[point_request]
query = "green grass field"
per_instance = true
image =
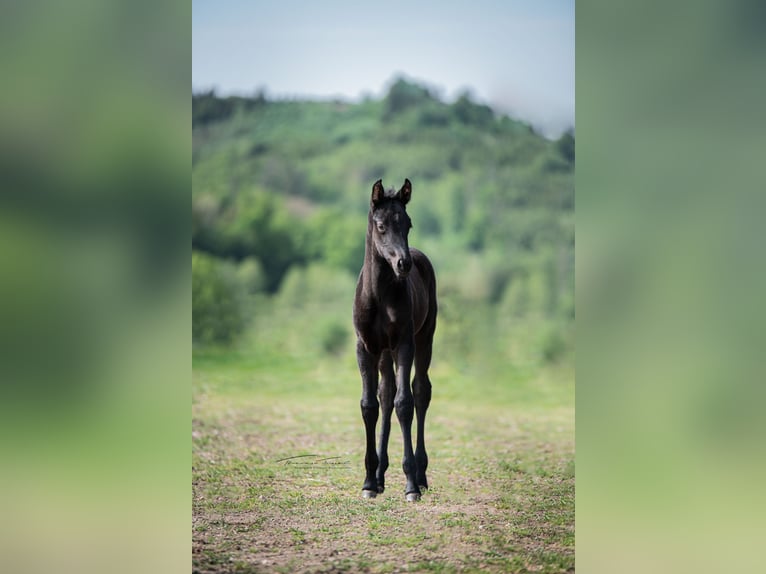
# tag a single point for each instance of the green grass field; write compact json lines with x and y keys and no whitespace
{"x":278,"y":449}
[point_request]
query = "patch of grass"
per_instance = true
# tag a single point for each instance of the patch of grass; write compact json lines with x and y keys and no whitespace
{"x":453,"y":519}
{"x":432,"y":566}
{"x":502,"y":477}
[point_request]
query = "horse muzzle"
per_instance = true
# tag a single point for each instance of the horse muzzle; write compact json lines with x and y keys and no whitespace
{"x":403,"y":266}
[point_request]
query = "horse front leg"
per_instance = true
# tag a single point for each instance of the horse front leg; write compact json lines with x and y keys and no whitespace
{"x":405,"y":406}
{"x":386,"y":391}
{"x":368,"y":368}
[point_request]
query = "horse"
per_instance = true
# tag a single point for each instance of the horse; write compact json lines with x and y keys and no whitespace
{"x":394,"y":319}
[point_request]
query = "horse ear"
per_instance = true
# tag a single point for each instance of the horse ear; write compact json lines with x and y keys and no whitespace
{"x":406,"y":192}
{"x":377,"y":192}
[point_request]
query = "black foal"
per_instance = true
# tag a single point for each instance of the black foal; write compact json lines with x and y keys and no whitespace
{"x":395,"y":319}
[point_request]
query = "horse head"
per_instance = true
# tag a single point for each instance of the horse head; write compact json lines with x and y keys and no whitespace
{"x":389,"y":226}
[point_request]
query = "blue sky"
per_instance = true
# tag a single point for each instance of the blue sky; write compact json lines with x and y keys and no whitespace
{"x":517,"y":56}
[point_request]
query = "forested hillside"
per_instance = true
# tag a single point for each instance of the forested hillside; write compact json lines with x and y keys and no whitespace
{"x":279,"y":201}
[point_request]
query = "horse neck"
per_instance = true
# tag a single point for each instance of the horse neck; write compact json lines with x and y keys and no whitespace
{"x":375,"y":271}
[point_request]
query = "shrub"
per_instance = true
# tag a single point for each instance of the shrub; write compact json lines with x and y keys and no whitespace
{"x":251,"y":276}
{"x":552,"y":345}
{"x":218,"y":314}
{"x":333,"y":336}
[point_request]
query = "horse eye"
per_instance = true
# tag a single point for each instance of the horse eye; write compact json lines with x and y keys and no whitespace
{"x":381,"y":228}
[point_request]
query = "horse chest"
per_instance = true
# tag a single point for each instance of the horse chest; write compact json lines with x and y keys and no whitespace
{"x":395,"y":322}
{"x":382,"y":326}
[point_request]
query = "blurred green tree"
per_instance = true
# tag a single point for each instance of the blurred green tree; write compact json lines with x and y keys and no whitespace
{"x":566,"y":146}
{"x":256,"y":225}
{"x":404,"y":95}
{"x":471,"y":113}
{"x":337,"y":238}
{"x":218,"y":313}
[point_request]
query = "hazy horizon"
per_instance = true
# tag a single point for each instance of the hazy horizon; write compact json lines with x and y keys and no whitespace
{"x":517,"y":57}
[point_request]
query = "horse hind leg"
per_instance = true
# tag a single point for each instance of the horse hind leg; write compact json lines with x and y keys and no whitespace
{"x":421,"y":390}
{"x":386,"y":391}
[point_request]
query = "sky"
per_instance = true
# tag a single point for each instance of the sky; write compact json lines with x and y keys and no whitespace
{"x":518,"y":56}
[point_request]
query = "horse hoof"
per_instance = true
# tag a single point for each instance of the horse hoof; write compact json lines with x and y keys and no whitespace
{"x":369,"y":494}
{"x":413,"y":496}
